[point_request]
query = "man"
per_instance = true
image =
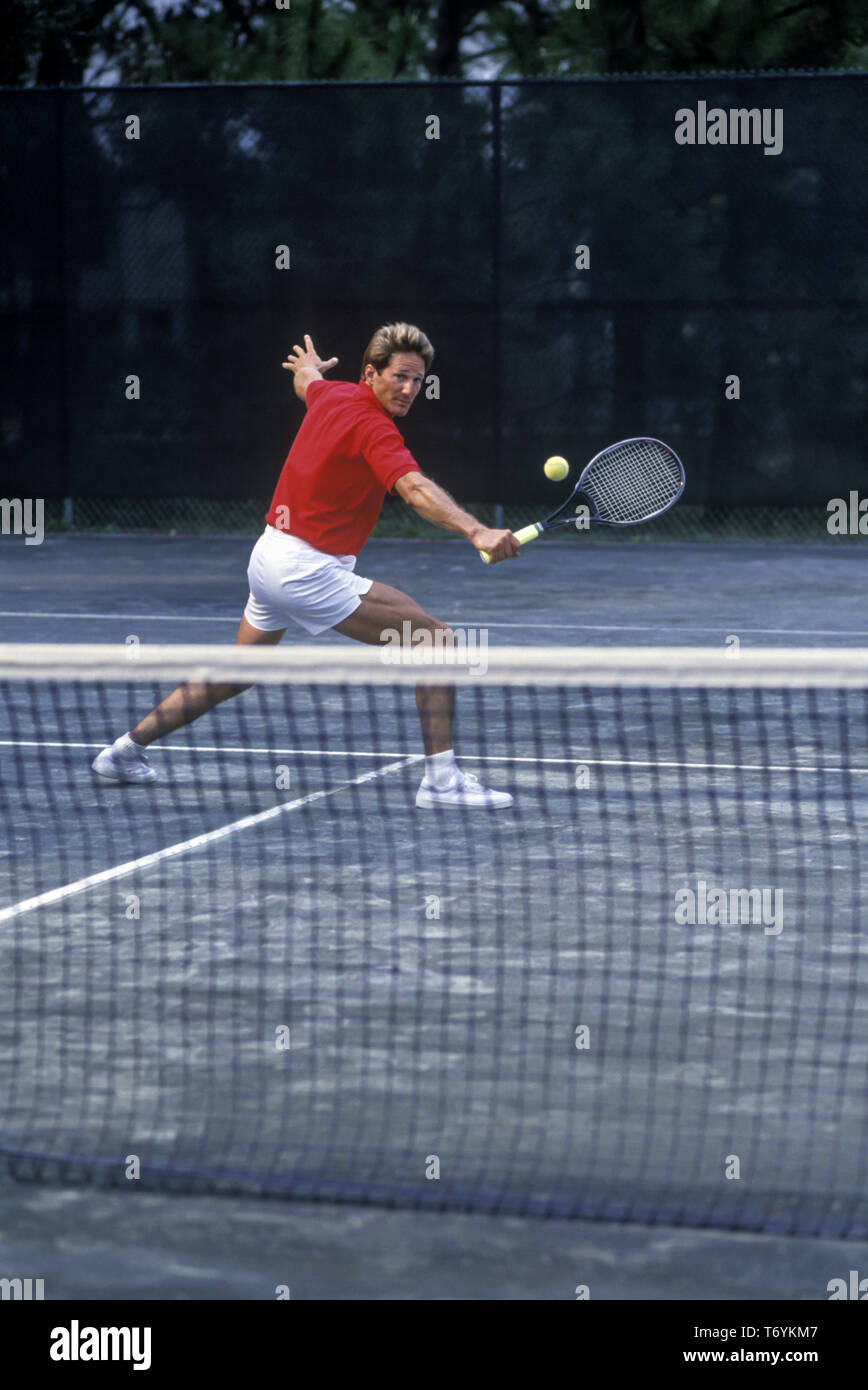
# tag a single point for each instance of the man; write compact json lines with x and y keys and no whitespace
{"x":347,"y":454}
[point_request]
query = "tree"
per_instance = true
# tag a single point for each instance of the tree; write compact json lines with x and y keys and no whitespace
{"x":51,"y":46}
{"x":147,"y":41}
{"x":543,"y":39}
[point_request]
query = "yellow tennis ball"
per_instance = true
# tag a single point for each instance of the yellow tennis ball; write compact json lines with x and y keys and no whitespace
{"x":556,"y":468}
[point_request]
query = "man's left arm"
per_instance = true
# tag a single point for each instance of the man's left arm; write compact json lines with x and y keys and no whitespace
{"x":306,"y":366}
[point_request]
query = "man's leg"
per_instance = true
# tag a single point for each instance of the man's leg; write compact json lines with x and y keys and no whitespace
{"x":195,"y":698}
{"x":383,"y":607}
{"x":125,"y":760}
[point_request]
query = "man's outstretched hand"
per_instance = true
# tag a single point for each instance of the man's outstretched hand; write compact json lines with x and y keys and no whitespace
{"x":306,"y":364}
{"x":499,"y":545}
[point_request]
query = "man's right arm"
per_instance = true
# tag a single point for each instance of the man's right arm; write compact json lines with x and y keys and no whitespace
{"x":434,"y":504}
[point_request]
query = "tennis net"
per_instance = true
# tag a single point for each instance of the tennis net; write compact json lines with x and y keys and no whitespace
{"x":636,"y":994}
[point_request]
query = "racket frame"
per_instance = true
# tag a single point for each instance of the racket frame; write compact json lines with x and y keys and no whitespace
{"x":556,"y":518}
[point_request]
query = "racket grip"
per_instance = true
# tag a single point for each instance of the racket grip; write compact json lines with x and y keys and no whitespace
{"x":527,"y":533}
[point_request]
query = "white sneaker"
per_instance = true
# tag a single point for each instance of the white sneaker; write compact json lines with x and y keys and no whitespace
{"x":128,"y":765}
{"x":463,"y":790}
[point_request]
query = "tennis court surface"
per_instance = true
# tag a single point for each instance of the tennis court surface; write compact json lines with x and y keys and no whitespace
{"x":269,"y":973}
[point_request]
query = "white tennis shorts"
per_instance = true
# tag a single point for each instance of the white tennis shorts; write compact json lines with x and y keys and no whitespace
{"x":291,"y":581}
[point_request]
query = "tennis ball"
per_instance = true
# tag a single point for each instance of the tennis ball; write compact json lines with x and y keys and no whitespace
{"x":556,"y":468}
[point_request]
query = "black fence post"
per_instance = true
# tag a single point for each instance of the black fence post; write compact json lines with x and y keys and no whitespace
{"x":60,"y":186}
{"x":497,"y":277}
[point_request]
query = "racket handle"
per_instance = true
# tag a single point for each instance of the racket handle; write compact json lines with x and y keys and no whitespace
{"x":527,"y":533}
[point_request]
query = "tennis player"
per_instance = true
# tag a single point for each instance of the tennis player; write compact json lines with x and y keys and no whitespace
{"x":346,"y":456}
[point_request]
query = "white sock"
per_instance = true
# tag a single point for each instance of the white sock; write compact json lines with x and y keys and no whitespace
{"x":126,"y":747}
{"x":440,"y":768}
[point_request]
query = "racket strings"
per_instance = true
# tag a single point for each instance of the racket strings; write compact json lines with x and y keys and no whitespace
{"x":633,"y":481}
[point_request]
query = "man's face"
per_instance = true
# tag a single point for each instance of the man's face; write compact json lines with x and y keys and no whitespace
{"x":397,"y":386}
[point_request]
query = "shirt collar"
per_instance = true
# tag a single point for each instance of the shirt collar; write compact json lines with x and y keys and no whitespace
{"x":365,"y":387}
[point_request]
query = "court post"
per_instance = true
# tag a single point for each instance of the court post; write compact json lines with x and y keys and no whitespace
{"x":497,"y":286}
{"x":63,"y":354}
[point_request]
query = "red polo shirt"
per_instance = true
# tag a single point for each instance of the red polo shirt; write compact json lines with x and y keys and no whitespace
{"x":347,"y":455}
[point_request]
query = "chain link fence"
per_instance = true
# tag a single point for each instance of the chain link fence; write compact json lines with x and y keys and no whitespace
{"x":191,"y":516}
{"x":584,"y":275}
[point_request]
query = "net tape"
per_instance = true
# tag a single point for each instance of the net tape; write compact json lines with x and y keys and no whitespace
{"x":336,"y":664}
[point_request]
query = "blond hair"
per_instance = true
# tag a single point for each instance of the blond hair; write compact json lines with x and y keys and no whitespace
{"x":396,"y":337}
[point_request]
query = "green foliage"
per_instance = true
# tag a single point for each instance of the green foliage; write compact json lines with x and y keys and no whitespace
{"x":49,"y":45}
{"x":150,"y":41}
{"x":314,"y":40}
{"x":657,"y":36}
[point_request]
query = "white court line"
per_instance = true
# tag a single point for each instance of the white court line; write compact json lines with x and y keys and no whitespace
{"x":127,"y":617}
{"x":721,"y":628}
{"x":207,"y":748}
{"x":468,"y":756}
{"x":81,"y":885}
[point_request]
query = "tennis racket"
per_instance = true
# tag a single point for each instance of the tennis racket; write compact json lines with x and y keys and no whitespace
{"x":629,"y":482}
